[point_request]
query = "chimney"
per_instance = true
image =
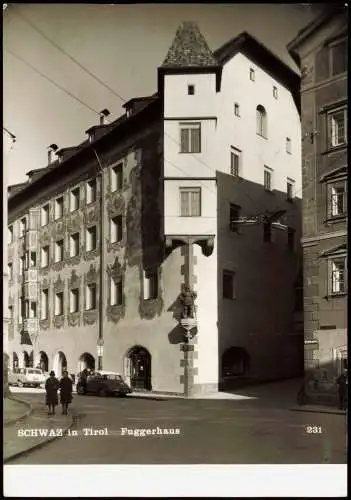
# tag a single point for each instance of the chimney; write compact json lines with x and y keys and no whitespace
{"x":103,"y":115}
{"x":51,"y":149}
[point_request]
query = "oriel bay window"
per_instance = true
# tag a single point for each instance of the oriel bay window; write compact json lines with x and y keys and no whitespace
{"x":337,"y":199}
{"x":190,"y":137}
{"x":190,"y":202}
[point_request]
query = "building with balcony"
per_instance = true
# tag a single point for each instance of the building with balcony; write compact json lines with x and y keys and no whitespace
{"x":193,"y":192}
{"x":321,"y":51}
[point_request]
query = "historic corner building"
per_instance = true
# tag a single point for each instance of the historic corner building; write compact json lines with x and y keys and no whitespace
{"x":197,"y":185}
{"x":321,"y":51}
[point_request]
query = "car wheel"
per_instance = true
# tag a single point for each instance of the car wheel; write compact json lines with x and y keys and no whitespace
{"x":102,"y":393}
{"x":80,"y":390}
{"x":20,"y":384}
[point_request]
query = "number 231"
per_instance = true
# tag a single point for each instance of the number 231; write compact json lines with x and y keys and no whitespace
{"x":313,"y":430}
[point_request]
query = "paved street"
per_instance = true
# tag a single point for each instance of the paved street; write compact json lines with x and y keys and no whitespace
{"x":212,"y":431}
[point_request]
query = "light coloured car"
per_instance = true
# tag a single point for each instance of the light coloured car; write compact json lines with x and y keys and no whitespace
{"x":26,"y":377}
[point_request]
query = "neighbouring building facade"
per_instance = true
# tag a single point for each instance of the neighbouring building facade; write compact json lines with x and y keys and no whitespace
{"x":321,"y":51}
{"x":194,"y":188}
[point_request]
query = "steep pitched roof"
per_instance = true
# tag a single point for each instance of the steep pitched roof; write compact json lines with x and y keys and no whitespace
{"x":189,"y":49}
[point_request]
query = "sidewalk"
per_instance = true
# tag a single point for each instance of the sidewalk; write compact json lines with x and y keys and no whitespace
{"x":318,"y":409}
{"x":15,"y":410}
{"x":35,"y":431}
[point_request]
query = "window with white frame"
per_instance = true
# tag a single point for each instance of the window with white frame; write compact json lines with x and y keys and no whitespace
{"x":59,"y":208}
{"x":74,"y":300}
{"x":10,"y":234}
{"x":267,"y":178}
{"x":58,"y":303}
{"x":44,"y":304}
{"x":337,"y":127}
{"x":261,"y":121}
{"x":228,"y":284}
{"x":150,"y":284}
{"x":116,"y":229}
{"x":236,"y":109}
{"x":337,"y":199}
{"x":235,"y":155}
{"x":91,"y":190}
{"x":338,"y":274}
{"x":59,"y":246}
{"x":117,"y":177}
{"x":190,"y":202}
{"x":44,"y":215}
{"x":74,"y":199}
{"x":116,"y":292}
{"x":290,"y":187}
{"x":190,"y":137}
{"x":288,"y":145}
{"x":91,"y":239}
{"x":252,"y":74}
{"x":90,"y":302}
{"x":10,"y":270}
{"x":45,"y":256}
{"x":275,"y":92}
{"x":23,"y":227}
{"x":74,"y":243}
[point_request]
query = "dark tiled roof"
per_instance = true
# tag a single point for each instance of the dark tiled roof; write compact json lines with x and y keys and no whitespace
{"x":189,"y":49}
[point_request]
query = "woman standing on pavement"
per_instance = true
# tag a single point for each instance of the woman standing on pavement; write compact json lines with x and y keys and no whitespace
{"x":66,"y":388}
{"x":51,"y":387}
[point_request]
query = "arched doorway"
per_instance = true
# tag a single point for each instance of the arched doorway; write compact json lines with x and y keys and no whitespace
{"x":139,"y":368}
{"x":235,"y":362}
{"x":59,"y":364}
{"x":43,"y":361}
{"x":26,"y":360}
{"x":14,"y":361}
{"x":86,"y":360}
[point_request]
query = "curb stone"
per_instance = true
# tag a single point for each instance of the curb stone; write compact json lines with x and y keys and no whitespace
{"x":41,"y":444}
{"x":330,"y":411}
{"x":22,"y":417}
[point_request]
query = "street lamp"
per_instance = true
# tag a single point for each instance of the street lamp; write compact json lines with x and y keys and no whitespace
{"x":100,"y":351}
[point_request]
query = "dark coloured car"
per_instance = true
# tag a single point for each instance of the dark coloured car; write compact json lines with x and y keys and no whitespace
{"x":103,"y":383}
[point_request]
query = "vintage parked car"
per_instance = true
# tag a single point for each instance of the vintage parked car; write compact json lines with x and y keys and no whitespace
{"x":30,"y":377}
{"x":103,"y":383}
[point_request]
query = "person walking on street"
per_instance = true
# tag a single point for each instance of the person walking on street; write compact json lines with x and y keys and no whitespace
{"x":51,"y":387}
{"x":342,"y":382}
{"x":84,"y":377}
{"x":66,"y":388}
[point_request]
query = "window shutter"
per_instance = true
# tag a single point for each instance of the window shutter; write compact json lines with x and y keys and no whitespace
{"x":184,"y":140}
{"x":195,"y":140}
{"x":184,"y":204}
{"x":195,"y":203}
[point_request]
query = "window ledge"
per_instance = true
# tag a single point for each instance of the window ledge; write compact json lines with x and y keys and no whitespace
{"x":334,"y":149}
{"x":262,"y":136}
{"x":189,"y":152}
{"x":59,"y":315}
{"x":336,"y":218}
{"x":335,"y":295}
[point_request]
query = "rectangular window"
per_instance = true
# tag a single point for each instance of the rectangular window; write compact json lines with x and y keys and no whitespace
{"x":288,"y":145}
{"x":90,"y":297}
{"x":23,"y":227}
{"x":44,"y":215}
{"x":337,"y":128}
{"x":338,"y":268}
{"x":33,"y":259}
{"x":339,"y":57}
{"x":74,"y":300}
{"x":116,"y":292}
{"x":191,"y":89}
{"x":289,"y":190}
{"x":91,"y":239}
{"x":236,"y":109}
{"x":10,"y":234}
{"x":150,"y":285}
{"x":190,"y":202}
{"x":117,"y":177}
{"x":267,"y":232}
{"x":275,"y":92}
{"x":116,"y":229}
{"x":190,"y":138}
{"x":59,"y":208}
{"x":45,"y":256}
{"x":74,"y":199}
{"x":74,"y":243}
{"x":91,"y":191}
{"x":45,"y":304}
{"x":234,"y":214}
{"x":267,"y":181}
{"x":58,"y":304}
{"x":252,"y":74}
{"x":337,"y":199}
{"x":228,"y":285}
{"x":10,"y":270}
{"x":235,"y":162}
{"x":291,"y":239}
{"x":59,"y":246}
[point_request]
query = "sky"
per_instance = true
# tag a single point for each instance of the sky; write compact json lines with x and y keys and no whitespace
{"x":122,"y":45}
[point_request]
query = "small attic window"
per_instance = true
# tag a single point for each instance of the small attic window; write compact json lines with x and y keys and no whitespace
{"x":191,"y":89}
{"x":252,"y":74}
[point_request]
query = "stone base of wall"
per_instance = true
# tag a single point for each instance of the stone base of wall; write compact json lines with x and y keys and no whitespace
{"x":204,"y":388}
